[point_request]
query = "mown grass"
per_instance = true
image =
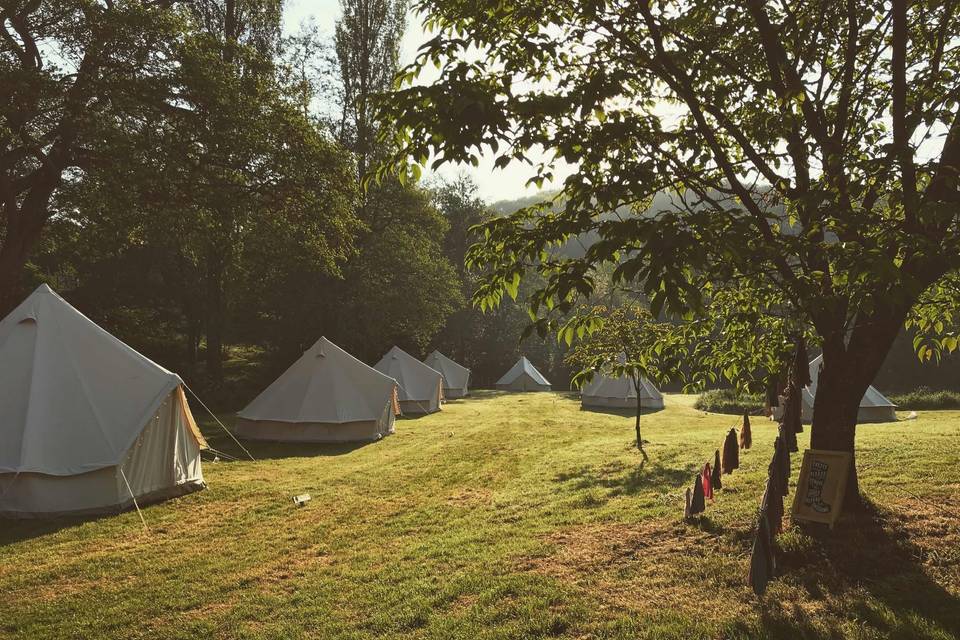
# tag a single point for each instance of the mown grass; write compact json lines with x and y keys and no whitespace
{"x":504,"y":516}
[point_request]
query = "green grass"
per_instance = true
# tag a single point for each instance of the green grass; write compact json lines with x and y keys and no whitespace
{"x":503,"y":516}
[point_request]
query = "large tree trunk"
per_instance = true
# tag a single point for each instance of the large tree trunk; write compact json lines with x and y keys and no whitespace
{"x":12,"y":260}
{"x":21,"y":235}
{"x":835,"y":417}
{"x":847,"y":371}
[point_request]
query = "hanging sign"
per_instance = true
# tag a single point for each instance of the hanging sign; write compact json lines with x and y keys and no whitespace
{"x":822,"y":483}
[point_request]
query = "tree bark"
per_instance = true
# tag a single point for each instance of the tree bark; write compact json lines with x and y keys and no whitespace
{"x":12,"y":260}
{"x":847,"y":371}
{"x":835,"y":410}
{"x":21,"y":235}
{"x":636,"y":386}
{"x":216,"y":319}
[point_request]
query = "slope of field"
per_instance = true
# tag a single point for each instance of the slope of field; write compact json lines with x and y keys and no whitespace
{"x":503,"y":516}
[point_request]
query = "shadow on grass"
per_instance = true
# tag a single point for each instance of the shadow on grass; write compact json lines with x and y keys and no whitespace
{"x":622,"y":411}
{"x":624,"y":479}
{"x":263,"y":450}
{"x":12,"y":531}
{"x":872,"y":572}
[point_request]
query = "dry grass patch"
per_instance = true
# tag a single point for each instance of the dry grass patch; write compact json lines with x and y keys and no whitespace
{"x":648,"y":566}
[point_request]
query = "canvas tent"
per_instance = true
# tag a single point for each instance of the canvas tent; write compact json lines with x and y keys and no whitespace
{"x":420,"y":386}
{"x":327,"y":395}
{"x":523,"y":376}
{"x":456,"y":377}
{"x":620,"y":393}
{"x":874,"y":406}
{"x":87,"y":424}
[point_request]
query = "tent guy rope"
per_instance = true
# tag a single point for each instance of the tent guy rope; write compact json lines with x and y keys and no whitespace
{"x":222,"y":426}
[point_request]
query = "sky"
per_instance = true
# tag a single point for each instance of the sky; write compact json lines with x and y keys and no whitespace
{"x":494,"y":184}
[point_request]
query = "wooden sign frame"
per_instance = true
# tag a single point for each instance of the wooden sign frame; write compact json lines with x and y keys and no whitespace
{"x":821,"y":486}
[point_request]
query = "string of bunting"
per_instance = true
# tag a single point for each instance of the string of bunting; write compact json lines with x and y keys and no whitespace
{"x":709,"y":479}
{"x":763,"y":560}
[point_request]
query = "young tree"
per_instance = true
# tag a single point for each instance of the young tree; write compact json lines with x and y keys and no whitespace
{"x":626,"y":341}
{"x":812,"y":146}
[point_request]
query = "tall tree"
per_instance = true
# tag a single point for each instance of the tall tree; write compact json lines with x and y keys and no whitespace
{"x":368,"y":36}
{"x":68,"y":68}
{"x":232,"y":184}
{"x":400,"y":265}
{"x":463,"y":209}
{"x":810,"y":146}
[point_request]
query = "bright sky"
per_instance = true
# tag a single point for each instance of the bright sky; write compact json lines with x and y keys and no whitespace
{"x":494,"y":184}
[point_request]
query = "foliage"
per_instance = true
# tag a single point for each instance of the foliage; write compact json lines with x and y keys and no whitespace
{"x":400,"y":289}
{"x":926,"y":398}
{"x":730,"y":401}
{"x":935,"y":320}
{"x":809,"y":148}
{"x":232,"y":186}
{"x":600,"y":111}
{"x":625,"y":341}
{"x":367,"y":39}
{"x":71,"y":70}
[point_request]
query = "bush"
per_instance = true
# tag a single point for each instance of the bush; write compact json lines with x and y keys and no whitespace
{"x":926,"y":398}
{"x":730,"y":401}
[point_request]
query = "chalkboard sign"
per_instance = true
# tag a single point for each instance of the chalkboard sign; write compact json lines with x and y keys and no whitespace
{"x":822,"y":483}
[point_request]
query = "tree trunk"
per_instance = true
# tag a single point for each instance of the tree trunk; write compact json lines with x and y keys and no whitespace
{"x":636,"y":386}
{"x":846,"y":373}
{"x":12,"y":261}
{"x":192,"y":342}
{"x":216,"y":319}
{"x":835,"y":419}
{"x":19,"y":240}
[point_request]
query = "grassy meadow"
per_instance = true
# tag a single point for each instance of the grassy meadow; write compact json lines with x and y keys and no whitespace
{"x":503,"y":516}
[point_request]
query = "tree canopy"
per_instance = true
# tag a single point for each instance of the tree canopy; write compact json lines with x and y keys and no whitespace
{"x":809,"y":148}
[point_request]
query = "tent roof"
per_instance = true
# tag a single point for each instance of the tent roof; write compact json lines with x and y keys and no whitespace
{"x":872,"y":398}
{"x":455,"y":375}
{"x":418,"y":382}
{"x":602,"y":386}
{"x":73,"y":398}
{"x":326,"y":384}
{"x":523,"y":366}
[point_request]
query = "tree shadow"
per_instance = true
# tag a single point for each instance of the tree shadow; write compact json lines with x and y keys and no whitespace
{"x":622,"y":411}
{"x":12,"y":531}
{"x":621,"y":478}
{"x":19,"y":529}
{"x":877,"y":568}
{"x":268,"y":450}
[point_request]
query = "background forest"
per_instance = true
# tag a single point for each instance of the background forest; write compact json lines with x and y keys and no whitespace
{"x":218,"y":223}
{"x":216,"y":218}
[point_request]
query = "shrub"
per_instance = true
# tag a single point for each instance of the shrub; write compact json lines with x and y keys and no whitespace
{"x":730,"y":401}
{"x":926,"y":398}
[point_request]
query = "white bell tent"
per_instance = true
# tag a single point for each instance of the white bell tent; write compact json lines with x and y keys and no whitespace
{"x":421,"y":387}
{"x":620,"y":393}
{"x":456,"y":377}
{"x":87,"y":424}
{"x":874,"y":406}
{"x":327,"y":395}
{"x":523,"y":376}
